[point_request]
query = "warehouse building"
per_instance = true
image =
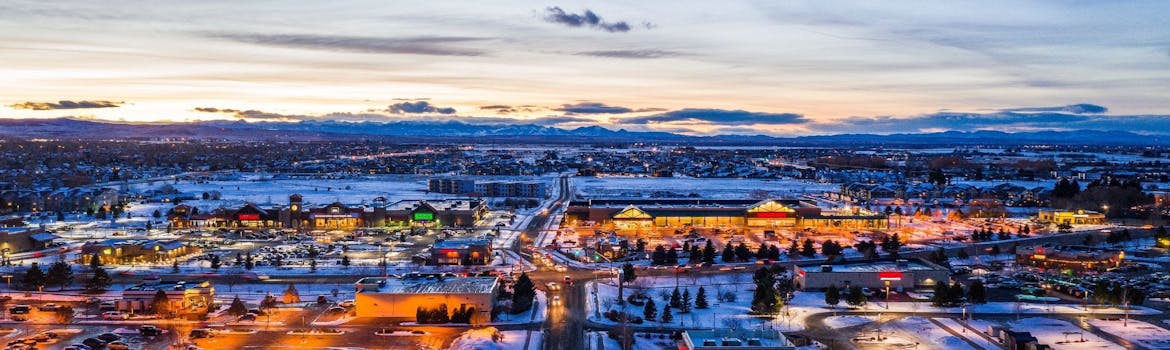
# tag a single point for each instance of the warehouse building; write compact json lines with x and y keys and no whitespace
{"x":405,"y":297}
{"x":897,"y":274}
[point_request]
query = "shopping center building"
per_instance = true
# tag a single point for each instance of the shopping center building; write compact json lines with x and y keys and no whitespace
{"x":624,"y":214}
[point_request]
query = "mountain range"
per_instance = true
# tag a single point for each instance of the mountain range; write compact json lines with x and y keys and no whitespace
{"x":459,"y":132}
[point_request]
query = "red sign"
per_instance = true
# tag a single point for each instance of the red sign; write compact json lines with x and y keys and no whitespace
{"x":249,"y":216}
{"x":801,"y":272}
{"x":772,"y":215}
{"x":890,"y":275}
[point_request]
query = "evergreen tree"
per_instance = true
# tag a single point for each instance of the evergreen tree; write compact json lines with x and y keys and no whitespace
{"x":765,"y":298}
{"x":977,"y":293}
{"x":709,"y":253}
{"x":701,"y":298}
{"x":60,"y":275}
{"x":728,"y":254}
{"x":686,"y":302}
{"x":345,"y":261}
{"x":995,"y":250}
{"x":832,"y":295}
{"x":955,"y":295}
{"x":940,"y":297}
{"x":667,"y":316}
{"x":34,"y":278}
{"x":675,"y":299}
{"x":794,"y":249}
{"x":808,"y":250}
{"x":672,"y":256}
{"x":855,"y":297}
{"x":629,"y":274}
{"x":649,"y":311}
{"x":95,"y":262}
{"x":99,"y":282}
{"x":175,"y":266}
{"x":658,"y":257}
{"x":523,"y":294}
{"x":161,"y":305}
{"x":962,"y":254}
{"x":215,"y":263}
{"x":237,"y":307}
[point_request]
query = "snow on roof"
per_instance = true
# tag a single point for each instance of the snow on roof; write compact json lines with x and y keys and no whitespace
{"x":726,"y":338}
{"x":43,"y":236}
{"x":428,"y":285}
{"x":874,"y":266}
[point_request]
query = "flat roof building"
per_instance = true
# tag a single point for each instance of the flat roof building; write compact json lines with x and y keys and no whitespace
{"x":906,"y":274}
{"x":405,"y":297}
{"x":714,"y":339}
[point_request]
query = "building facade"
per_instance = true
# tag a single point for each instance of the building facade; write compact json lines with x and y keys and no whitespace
{"x":1072,"y":258}
{"x":1078,"y":217}
{"x":898,"y":274}
{"x":404,"y":297}
{"x":459,"y":212}
{"x":766,"y":214}
{"x":461,"y":252}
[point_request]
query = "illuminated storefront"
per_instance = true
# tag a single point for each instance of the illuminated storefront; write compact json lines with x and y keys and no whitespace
{"x":647,"y":214}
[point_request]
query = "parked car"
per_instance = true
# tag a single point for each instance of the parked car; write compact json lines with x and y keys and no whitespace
{"x":150,"y":331}
{"x":247,"y":317}
{"x":200,"y":333}
{"x":94,"y":343}
{"x":346,"y":303}
{"x":114,"y":315}
{"x":117,"y":346}
{"x":49,"y":307}
{"x":109,"y":337}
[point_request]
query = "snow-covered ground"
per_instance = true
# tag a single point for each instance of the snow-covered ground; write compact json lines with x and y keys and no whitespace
{"x":720,"y":313}
{"x":1142,"y":333}
{"x":837,"y":322}
{"x":642,"y":341}
{"x":490,"y":338}
{"x":1061,"y":335}
{"x":718,"y":188}
{"x":920,"y":330}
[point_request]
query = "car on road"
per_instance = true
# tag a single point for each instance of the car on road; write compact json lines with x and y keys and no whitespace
{"x":569,"y":280}
{"x":561,"y":268}
{"x":109,"y":337}
{"x":247,"y":317}
{"x":346,"y":303}
{"x":114,"y":315}
{"x":553,"y":286}
{"x":556,"y":300}
{"x":117,"y":346}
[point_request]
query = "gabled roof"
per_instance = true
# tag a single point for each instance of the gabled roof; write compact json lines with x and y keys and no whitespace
{"x":632,"y":212}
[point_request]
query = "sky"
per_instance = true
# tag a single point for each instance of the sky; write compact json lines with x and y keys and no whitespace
{"x":691,"y":67}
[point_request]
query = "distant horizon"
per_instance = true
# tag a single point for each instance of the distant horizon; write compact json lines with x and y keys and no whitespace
{"x":777,"y":69}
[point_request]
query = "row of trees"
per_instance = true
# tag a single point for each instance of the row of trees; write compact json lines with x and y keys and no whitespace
{"x":60,"y":275}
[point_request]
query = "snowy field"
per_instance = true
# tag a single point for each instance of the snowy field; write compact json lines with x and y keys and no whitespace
{"x":1142,"y":333}
{"x":720,"y":313}
{"x":491,"y":338}
{"x":920,"y":330}
{"x":838,"y":322}
{"x":1061,"y":335}
{"x":705,"y":187}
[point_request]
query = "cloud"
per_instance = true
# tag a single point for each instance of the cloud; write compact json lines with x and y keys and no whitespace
{"x":418,"y":107}
{"x":420,"y":45}
{"x":506,"y":109}
{"x":717,"y":116}
{"x":587,"y":19}
{"x":1082,"y":108}
{"x":1072,"y":117}
{"x":635,"y":54}
{"x":592,"y":108}
{"x":65,"y":104}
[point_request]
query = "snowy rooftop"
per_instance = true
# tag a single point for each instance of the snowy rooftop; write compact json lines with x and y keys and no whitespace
{"x":427,"y":285}
{"x":441,"y":204}
{"x":460,"y":243}
{"x":730,"y":339}
{"x":875,"y":266}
